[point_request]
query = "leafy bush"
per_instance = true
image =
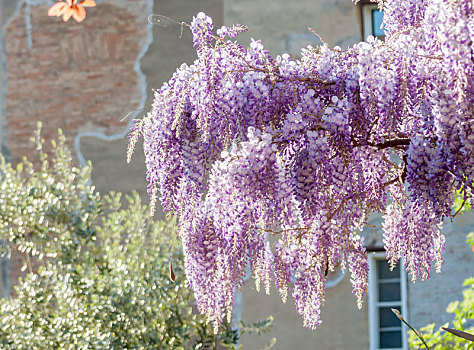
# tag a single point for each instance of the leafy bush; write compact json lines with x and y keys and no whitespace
{"x":463,"y":313}
{"x":103,"y":280}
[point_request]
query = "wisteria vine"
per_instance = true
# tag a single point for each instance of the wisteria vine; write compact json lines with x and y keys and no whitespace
{"x":242,"y":146}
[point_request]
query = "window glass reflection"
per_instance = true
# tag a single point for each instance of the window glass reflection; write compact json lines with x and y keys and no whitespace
{"x":383,"y":269}
{"x":389,"y":291}
{"x":390,"y":339}
{"x":377,"y":17}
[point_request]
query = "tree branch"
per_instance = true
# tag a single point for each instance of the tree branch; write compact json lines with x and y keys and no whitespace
{"x":393,"y":143}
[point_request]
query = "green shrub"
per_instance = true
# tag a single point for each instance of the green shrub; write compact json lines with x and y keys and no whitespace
{"x":103,"y":280}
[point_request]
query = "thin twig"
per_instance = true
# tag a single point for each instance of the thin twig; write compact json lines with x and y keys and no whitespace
{"x":282,"y":231}
{"x":161,"y":17}
{"x":132,"y":112}
{"x":400,"y":317}
{"x":320,"y":38}
{"x":391,"y":181}
{"x":459,"y":210}
{"x":337,"y":210}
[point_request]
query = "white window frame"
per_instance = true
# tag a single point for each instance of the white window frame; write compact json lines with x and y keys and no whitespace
{"x":374,"y":303}
{"x":367,"y":19}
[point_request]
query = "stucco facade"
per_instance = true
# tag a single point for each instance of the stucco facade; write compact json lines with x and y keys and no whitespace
{"x":86,"y":77}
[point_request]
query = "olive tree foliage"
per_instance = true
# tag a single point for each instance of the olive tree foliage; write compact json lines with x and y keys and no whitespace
{"x":98,"y":270}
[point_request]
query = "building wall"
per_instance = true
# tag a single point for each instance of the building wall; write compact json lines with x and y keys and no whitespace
{"x":283,"y":25}
{"x":78,"y":77}
{"x":86,"y":77}
{"x":428,"y":300}
{"x":344,"y":325}
{"x":166,"y":51}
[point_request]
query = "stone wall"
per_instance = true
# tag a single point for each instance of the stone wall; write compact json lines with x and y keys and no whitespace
{"x":344,"y":325}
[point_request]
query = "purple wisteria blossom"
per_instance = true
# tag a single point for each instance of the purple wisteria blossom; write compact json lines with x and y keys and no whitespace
{"x":242,"y":146}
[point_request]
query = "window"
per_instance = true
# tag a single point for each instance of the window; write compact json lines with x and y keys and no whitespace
{"x":387,"y":290}
{"x":372,"y":21}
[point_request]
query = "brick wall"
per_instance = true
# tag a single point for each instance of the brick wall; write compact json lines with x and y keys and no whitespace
{"x":74,"y":76}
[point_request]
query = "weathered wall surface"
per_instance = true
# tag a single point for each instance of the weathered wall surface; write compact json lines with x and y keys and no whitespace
{"x":164,"y":54}
{"x":428,"y":300}
{"x":344,"y":325}
{"x":283,"y":25}
{"x":6,"y":10}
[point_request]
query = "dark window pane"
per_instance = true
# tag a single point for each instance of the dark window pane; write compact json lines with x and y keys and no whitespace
{"x":383,"y":270}
{"x":377,"y":18}
{"x":389,"y":291}
{"x":390,"y":339}
{"x":387,"y":318}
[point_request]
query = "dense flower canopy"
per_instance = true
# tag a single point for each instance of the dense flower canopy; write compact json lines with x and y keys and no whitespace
{"x":242,"y":146}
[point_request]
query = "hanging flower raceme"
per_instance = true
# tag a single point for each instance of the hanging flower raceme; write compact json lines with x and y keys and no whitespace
{"x":71,"y":8}
{"x":243,"y":146}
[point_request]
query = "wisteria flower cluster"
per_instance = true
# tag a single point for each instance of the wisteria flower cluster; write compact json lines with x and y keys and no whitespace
{"x":242,"y":146}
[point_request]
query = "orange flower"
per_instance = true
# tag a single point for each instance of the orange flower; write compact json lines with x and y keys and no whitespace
{"x":70,"y":8}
